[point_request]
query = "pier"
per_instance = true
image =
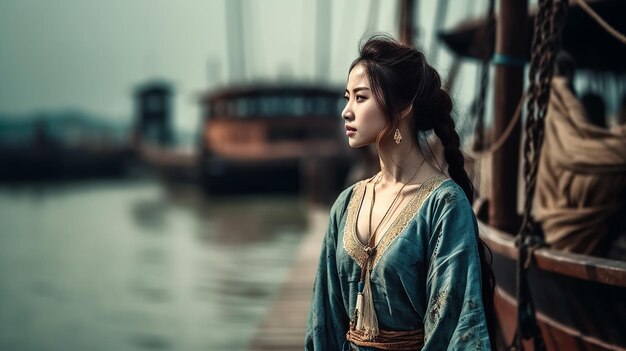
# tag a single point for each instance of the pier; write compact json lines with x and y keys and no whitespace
{"x":285,"y":323}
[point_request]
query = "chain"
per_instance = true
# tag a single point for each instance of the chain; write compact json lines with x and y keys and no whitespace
{"x":546,"y":43}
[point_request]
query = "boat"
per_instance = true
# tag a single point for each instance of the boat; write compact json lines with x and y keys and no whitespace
{"x":271,"y":137}
{"x":579,"y":300}
{"x":60,"y":146}
{"x":545,"y":298}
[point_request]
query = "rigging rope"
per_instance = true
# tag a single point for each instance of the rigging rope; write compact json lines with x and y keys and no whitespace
{"x":478,"y":106}
{"x":478,"y":155}
{"x":619,"y":36}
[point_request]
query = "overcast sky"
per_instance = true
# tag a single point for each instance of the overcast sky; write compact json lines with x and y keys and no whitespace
{"x":89,"y":55}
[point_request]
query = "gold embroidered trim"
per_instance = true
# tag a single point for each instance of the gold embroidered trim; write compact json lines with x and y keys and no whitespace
{"x":354,"y":247}
{"x":351,"y":242}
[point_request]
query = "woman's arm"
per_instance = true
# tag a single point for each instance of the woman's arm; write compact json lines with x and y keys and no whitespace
{"x":327,"y":322}
{"x":455,"y":319}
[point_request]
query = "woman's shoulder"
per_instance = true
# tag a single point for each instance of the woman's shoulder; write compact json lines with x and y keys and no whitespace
{"x":449,"y":190}
{"x":450,"y":208}
{"x":448,"y":194}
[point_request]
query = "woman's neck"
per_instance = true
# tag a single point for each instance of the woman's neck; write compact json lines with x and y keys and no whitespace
{"x":400,"y":162}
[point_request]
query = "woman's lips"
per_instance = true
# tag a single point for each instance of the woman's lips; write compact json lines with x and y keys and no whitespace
{"x":350,"y":131}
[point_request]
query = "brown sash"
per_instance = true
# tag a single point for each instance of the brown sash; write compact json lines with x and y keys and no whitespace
{"x":409,"y":340}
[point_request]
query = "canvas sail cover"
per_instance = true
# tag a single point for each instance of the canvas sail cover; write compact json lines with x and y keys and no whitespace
{"x":581,"y":179}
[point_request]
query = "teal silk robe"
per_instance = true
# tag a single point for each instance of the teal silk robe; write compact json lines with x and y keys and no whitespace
{"x":426,"y":272}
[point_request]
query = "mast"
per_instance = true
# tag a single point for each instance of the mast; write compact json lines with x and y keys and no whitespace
{"x":510,"y":56}
{"x":406,"y":21}
{"x":235,"y":41}
{"x":440,"y":20}
{"x":322,"y":40}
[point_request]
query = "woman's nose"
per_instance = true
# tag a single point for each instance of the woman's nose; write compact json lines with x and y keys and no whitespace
{"x":347,"y":114}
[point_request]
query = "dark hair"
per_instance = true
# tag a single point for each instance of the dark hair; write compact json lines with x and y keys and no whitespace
{"x":400,"y":77}
{"x":594,"y":108}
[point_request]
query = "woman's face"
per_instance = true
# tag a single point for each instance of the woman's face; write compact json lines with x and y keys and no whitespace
{"x":362,"y":115}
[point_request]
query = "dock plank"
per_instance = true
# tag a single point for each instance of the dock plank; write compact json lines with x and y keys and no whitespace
{"x":285,"y":324}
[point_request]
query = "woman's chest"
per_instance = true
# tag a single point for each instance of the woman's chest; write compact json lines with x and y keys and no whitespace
{"x":400,"y":257}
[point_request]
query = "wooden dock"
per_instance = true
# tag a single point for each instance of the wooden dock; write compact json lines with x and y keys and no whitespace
{"x":284,"y":326}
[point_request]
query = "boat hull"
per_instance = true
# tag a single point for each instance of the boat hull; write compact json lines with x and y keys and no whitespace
{"x":321,"y":178}
{"x":580,"y":300}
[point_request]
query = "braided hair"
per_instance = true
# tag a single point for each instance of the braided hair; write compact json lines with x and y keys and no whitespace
{"x":400,"y":77}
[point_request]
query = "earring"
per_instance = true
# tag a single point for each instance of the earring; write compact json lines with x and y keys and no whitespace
{"x":397,"y":136}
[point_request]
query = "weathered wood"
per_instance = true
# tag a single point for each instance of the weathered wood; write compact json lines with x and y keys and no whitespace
{"x":593,"y":48}
{"x":556,"y":335}
{"x":579,"y":299}
{"x":406,"y":21}
{"x":285,"y":324}
{"x":509,"y":82}
{"x":585,"y":267}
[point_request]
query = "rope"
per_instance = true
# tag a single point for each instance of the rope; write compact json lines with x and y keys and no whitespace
{"x":478,"y":155}
{"x":619,"y":36}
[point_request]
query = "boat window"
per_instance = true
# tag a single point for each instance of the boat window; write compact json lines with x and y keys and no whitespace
{"x":219,"y":108}
{"x":231,"y":108}
{"x":298,"y":106}
{"x":243,"y":107}
{"x":276,"y":105}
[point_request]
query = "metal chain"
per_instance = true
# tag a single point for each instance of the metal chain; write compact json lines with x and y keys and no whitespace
{"x":549,"y":22}
{"x":546,"y":44}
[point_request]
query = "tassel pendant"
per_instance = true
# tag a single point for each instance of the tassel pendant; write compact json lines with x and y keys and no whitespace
{"x":369,"y":320}
{"x":358,"y":313}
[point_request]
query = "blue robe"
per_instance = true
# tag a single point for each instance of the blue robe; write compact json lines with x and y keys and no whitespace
{"x":425,"y":274}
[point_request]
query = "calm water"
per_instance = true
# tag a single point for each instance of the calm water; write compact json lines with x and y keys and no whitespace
{"x":132,"y":266}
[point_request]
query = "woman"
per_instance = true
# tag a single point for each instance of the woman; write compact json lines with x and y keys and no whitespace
{"x":401,"y":267}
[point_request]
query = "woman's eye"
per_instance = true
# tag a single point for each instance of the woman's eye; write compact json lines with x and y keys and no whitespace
{"x":346,"y":97}
{"x":360,"y":97}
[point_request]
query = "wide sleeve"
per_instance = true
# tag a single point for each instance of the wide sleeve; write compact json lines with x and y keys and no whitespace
{"x":327,"y":321}
{"x":455,"y":318}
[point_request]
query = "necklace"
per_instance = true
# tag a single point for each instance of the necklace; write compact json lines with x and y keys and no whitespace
{"x":372,"y":234}
{"x":365,"y":319}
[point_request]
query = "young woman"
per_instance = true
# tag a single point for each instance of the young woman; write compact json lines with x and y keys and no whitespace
{"x":402,"y":267}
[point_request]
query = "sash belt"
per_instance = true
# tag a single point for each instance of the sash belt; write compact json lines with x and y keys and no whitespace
{"x":389,"y":340}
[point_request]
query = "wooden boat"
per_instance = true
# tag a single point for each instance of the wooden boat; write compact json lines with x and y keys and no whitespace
{"x":580,"y":301}
{"x":267,"y":137}
{"x":583,"y":38}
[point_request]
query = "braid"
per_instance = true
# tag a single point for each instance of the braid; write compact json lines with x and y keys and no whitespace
{"x":444,"y":129}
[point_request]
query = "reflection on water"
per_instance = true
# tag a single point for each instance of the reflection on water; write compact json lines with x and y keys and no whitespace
{"x":131,"y":266}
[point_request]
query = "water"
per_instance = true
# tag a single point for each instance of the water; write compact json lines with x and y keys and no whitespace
{"x":134,"y":266}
